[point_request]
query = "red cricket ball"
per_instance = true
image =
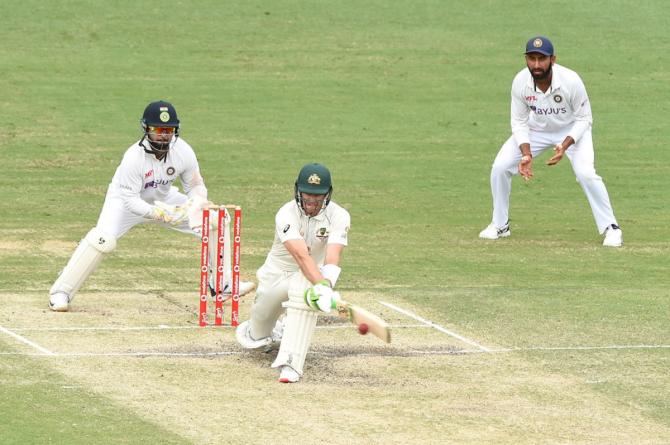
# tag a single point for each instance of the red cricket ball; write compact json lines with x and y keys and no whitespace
{"x":363,"y":328}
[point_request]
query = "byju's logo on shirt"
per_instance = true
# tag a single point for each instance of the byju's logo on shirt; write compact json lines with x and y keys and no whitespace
{"x":548,"y":111}
{"x":155,"y":184}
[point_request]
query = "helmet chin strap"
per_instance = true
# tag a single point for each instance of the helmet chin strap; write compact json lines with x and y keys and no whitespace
{"x":159,"y":152}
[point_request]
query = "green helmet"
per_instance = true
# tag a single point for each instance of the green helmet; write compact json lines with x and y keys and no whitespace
{"x":313,"y":179}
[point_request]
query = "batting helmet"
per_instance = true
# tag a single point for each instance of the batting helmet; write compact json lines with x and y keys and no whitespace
{"x":313,"y":179}
{"x":159,"y":115}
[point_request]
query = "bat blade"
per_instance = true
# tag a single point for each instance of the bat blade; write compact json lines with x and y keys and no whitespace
{"x":357,"y":315}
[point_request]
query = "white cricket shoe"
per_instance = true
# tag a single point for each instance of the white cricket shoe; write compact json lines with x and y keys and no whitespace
{"x":613,"y":236}
{"x":288,"y":375}
{"x":493,"y":232}
{"x":59,"y":302}
{"x":244,"y":338}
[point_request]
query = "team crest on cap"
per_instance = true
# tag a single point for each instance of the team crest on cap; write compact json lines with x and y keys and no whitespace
{"x":164,"y":116}
{"x":537,"y":43}
{"x":558,"y":99}
{"x":314,"y":179}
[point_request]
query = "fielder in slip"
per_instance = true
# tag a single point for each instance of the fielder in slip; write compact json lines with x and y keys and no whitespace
{"x":299,"y":273}
{"x":141,"y":191}
{"x":550,"y":109}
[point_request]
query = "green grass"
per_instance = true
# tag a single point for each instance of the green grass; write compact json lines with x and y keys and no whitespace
{"x":41,"y":406}
{"x":407,"y":103}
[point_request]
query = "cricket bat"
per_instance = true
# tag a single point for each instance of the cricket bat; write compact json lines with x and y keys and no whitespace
{"x":358,"y":315}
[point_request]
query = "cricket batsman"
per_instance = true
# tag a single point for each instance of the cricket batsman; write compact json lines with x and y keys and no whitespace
{"x":299,"y":273}
{"x":141,"y":191}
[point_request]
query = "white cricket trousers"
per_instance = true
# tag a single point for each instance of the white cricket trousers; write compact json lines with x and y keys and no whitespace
{"x":272,"y":291}
{"x":115,"y":220}
{"x":581,"y":156}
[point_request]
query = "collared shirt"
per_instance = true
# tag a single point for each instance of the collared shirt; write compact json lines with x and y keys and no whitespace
{"x":564,"y":105}
{"x":331,"y":226}
{"x":141,"y":179}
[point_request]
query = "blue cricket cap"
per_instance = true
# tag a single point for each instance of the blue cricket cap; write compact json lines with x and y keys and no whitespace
{"x":540,"y":44}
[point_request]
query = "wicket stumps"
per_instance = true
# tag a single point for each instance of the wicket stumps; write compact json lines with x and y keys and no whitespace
{"x":222,"y":227}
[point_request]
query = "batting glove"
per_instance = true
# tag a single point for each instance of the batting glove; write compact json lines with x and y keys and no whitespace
{"x":321,"y":296}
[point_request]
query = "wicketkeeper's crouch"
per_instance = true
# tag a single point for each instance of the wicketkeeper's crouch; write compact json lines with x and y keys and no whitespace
{"x":299,"y":272}
{"x":141,"y":191}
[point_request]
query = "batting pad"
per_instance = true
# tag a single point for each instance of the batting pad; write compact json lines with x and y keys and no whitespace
{"x":299,"y":326}
{"x":83,"y":262}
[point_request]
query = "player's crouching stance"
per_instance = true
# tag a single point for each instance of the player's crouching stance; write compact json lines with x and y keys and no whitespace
{"x":299,"y":273}
{"x":549,"y":110}
{"x":141,"y":191}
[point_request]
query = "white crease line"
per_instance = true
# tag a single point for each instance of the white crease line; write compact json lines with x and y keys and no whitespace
{"x":581,"y":348}
{"x":168,"y":328}
{"x":112,"y":328}
{"x":132,"y":354}
{"x":26,"y":341}
{"x":364,"y":354}
{"x":436,"y":326}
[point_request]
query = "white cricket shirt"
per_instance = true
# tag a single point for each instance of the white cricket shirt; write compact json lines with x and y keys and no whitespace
{"x":564,"y":105}
{"x":329,"y":227}
{"x":141,"y":179}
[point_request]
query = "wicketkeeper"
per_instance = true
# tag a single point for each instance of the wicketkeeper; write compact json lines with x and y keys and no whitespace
{"x":141,"y":191}
{"x":299,"y":273}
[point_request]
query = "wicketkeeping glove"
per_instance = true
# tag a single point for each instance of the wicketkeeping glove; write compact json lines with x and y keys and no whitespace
{"x":193,"y":209}
{"x":168,"y":213}
{"x":321,"y":297}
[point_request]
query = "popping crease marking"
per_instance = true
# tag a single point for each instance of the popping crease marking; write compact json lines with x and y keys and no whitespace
{"x":436,"y":326}
{"x":23,"y":339}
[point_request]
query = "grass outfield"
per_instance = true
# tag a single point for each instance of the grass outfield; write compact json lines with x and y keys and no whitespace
{"x":545,"y":337}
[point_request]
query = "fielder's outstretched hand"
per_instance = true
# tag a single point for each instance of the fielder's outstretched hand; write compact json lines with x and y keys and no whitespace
{"x":526,"y":167}
{"x":558,"y":155}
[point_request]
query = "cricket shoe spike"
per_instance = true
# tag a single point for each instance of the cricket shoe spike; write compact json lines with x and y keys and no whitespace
{"x":59,"y":302}
{"x":613,"y":236}
{"x":288,"y":375}
{"x":493,"y":232}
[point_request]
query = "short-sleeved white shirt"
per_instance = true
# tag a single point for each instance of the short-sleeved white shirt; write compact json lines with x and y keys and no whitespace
{"x":331,"y":226}
{"x":141,"y":179}
{"x":564,"y":105}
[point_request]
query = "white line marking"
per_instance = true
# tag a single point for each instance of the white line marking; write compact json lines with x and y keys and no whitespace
{"x":436,"y":326}
{"x":26,"y":341}
{"x":390,"y":353}
{"x":112,"y":328}
{"x":168,"y":328}
{"x":581,"y":348}
{"x":132,"y":354}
